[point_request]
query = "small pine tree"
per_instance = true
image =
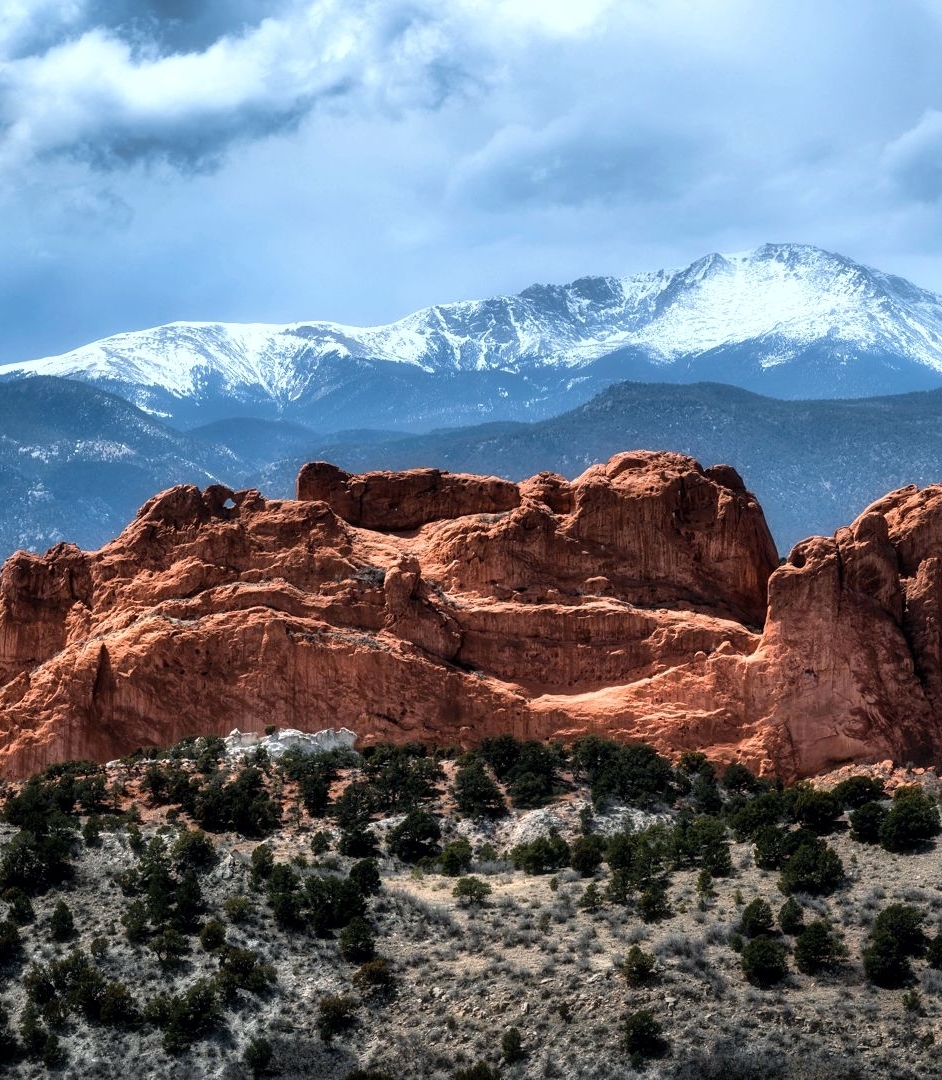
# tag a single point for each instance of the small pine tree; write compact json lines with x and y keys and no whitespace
{"x":818,"y":947}
{"x":258,"y":1055}
{"x":643,"y":1037}
{"x":456,"y":857}
{"x":61,"y":923}
{"x":791,"y":918}
{"x":511,"y":1045}
{"x":471,"y":891}
{"x":764,"y":961}
{"x":638,"y":967}
{"x":756,"y":918}
{"x":591,"y":899}
{"x":213,"y":935}
{"x":357,"y":941}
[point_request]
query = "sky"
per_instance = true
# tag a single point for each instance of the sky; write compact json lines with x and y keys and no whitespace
{"x":355,"y":160}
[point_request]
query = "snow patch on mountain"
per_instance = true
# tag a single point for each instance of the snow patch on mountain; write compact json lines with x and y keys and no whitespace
{"x":780,"y":299}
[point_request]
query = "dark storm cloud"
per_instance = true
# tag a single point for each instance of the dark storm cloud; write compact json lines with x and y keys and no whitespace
{"x":109,"y":93}
{"x":179,"y":25}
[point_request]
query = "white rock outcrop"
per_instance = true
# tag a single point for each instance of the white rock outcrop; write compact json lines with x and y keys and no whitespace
{"x":308,"y":742}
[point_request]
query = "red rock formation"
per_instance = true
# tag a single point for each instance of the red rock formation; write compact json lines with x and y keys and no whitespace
{"x":425,"y":605}
{"x":399,"y":502}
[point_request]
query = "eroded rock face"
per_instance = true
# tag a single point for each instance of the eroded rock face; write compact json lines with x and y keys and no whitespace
{"x":630,"y":602}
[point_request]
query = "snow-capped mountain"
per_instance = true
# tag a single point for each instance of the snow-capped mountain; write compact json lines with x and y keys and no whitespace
{"x":787,"y":320}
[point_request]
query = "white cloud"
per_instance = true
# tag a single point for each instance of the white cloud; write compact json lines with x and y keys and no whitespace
{"x":102,"y":97}
{"x":914,"y":160}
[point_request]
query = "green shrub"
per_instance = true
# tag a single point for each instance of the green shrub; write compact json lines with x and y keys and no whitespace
{"x":61,"y":923}
{"x":213,"y":935}
{"x":747,"y":816}
{"x":91,"y":832}
{"x":243,"y":805}
{"x":858,"y":790}
{"x":764,"y":961}
{"x":653,"y":904}
{"x":456,"y":857}
{"x":819,"y":810}
{"x":365,"y":876}
{"x":336,"y":1014}
{"x":511,"y":1046}
{"x":263,"y":862}
{"x":638,"y":967}
{"x":586,"y":854}
{"x":736,"y":777}
{"x":21,"y":907}
{"x":187,"y":1016}
{"x":33,"y":1035}
{"x":476,"y":794}
{"x":643,"y":1037}
{"x":193,"y":850}
{"x":866,"y":822}
{"x":321,"y":842}
{"x":817,"y":947}
{"x":756,"y":918}
{"x":134,"y":921}
{"x":169,"y":945}
{"x":895,"y":937}
{"x":357,"y":841}
{"x":791,"y":917}
{"x":415,"y":837}
{"x":357,"y":941}
{"x":706,"y":843}
{"x":635,"y":774}
{"x":401,"y":777}
{"x":241,"y":969}
{"x":814,"y":868}
{"x":258,"y":1055}
{"x":912,"y":820}
{"x":542,"y":855}
{"x":237,"y":908}
{"x":591,"y":899}
{"x":471,"y":891}
{"x":118,"y":1007}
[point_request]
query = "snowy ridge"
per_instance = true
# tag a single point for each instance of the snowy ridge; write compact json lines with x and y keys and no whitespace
{"x":780,"y":299}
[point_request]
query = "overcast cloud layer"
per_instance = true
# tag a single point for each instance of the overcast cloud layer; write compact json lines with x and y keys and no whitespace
{"x":356,"y":159}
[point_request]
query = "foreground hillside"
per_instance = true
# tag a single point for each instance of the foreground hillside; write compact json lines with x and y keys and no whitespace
{"x":518,"y":912}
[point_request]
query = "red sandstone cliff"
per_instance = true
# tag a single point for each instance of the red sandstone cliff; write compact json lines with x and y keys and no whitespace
{"x":630,"y":601}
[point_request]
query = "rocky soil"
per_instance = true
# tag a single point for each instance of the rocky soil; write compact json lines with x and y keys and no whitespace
{"x":528,"y":957}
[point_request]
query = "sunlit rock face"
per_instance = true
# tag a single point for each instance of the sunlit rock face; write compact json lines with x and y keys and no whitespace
{"x":640,"y":601}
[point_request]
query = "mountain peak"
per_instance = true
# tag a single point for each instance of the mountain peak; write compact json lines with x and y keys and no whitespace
{"x":787,"y":319}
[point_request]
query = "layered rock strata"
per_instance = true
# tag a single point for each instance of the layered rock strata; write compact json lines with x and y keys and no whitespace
{"x":641,"y":600}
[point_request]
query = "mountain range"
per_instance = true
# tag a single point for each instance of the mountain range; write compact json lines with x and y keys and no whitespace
{"x":88,"y":436}
{"x":788,"y":320}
